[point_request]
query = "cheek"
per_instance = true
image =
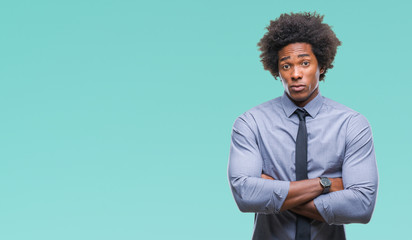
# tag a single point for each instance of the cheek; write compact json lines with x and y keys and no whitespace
{"x":314,"y":83}
{"x":284,"y":83}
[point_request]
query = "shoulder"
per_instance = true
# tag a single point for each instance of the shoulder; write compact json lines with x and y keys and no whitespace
{"x":334,"y":108}
{"x":266,"y":109}
{"x":353,"y":121}
{"x":332,"y":105}
{"x":260,"y":113}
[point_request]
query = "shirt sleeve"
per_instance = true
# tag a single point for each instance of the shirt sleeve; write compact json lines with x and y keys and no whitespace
{"x":251,"y":192}
{"x":354,"y":204}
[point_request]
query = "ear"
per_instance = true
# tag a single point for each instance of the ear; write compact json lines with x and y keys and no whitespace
{"x":322,"y":70}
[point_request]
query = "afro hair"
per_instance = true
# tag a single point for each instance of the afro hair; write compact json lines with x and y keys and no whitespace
{"x":298,"y":27}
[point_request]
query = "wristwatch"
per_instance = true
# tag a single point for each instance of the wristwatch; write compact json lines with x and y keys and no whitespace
{"x":325,"y":183}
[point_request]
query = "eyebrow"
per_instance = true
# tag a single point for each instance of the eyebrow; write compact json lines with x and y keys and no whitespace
{"x":299,"y":56}
{"x":284,"y":58}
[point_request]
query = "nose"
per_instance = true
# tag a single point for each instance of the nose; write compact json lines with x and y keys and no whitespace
{"x":296,"y":73}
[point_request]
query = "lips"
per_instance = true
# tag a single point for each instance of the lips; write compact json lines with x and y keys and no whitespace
{"x":297,"y":88}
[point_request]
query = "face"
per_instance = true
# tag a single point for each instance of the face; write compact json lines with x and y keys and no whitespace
{"x":299,"y":72}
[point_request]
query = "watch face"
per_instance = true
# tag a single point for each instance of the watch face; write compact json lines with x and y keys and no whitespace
{"x":325,"y":182}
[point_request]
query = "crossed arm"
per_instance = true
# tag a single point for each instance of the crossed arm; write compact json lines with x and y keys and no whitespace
{"x":301,"y":194}
{"x":254,"y":192}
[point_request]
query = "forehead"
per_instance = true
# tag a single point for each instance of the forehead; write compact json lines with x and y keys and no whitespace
{"x":295,"y":49}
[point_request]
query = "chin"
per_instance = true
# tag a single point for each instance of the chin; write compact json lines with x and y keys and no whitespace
{"x":299,"y":97}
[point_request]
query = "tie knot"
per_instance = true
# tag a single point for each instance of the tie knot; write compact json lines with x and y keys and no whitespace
{"x":301,"y":114}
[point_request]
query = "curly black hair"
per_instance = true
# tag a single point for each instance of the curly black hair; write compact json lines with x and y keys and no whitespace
{"x":298,"y":27}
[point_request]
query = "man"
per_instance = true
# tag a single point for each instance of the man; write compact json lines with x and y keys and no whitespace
{"x":304,"y":164}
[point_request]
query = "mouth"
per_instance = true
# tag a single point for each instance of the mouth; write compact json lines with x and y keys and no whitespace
{"x":297,"y":88}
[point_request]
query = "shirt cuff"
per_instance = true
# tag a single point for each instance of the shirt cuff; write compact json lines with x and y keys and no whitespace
{"x":324,"y":208}
{"x":280,"y":193}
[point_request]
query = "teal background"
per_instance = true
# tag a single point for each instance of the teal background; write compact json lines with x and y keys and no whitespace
{"x":116,"y":115}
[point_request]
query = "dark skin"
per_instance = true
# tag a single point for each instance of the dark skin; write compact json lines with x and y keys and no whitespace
{"x":299,"y":72}
{"x":301,"y":194}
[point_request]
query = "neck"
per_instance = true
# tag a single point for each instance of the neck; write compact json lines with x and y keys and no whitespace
{"x":307,"y":100}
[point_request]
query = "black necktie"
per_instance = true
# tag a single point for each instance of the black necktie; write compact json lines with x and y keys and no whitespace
{"x":301,"y":162}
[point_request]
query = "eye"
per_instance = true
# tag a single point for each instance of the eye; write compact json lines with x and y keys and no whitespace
{"x":305,"y":63}
{"x":285,"y":67}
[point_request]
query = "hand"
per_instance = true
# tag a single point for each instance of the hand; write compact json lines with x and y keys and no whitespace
{"x":267,"y":177}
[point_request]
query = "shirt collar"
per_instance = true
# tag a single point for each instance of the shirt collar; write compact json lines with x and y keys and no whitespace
{"x":312,"y":107}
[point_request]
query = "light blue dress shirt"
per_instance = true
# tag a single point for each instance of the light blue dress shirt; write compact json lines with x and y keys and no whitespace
{"x":339,"y":145}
